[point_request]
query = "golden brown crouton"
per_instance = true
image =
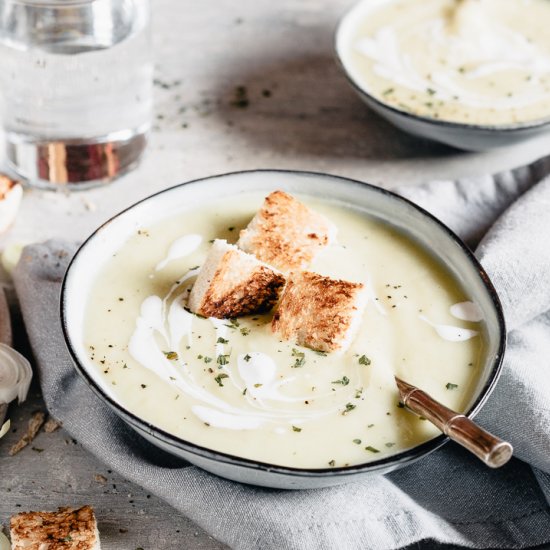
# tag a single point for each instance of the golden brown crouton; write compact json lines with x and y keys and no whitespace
{"x":319,"y":312}
{"x":232,"y":283}
{"x":285,"y":233}
{"x":66,"y":529}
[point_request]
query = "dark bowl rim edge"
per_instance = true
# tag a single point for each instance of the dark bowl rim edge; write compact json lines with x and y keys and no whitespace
{"x":408,"y":455}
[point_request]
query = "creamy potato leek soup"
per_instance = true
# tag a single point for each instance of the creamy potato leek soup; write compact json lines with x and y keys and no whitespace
{"x":233,"y":385}
{"x":469,"y":61}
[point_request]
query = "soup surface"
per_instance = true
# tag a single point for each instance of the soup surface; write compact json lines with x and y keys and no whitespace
{"x":468,"y":61}
{"x":233,"y":386}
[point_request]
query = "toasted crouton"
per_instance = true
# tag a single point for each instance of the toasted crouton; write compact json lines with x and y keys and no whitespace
{"x":285,"y":233}
{"x":232,"y":283}
{"x":66,"y":529}
{"x":319,"y":312}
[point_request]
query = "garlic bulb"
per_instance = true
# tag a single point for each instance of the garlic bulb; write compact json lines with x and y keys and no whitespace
{"x":11,"y":193}
{"x":15,"y":375}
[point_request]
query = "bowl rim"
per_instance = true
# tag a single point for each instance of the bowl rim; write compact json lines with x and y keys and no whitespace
{"x":361,"y":90}
{"x":407,"y":456}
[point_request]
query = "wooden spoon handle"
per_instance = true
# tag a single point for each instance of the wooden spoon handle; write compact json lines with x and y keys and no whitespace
{"x":493,"y":451}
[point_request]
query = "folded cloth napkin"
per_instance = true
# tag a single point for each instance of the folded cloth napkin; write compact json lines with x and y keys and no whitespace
{"x":448,"y":496}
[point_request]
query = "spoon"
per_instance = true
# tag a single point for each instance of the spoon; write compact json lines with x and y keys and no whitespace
{"x":494,"y":452}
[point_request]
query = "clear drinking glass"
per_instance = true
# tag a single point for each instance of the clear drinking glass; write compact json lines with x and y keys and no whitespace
{"x":75,"y":88}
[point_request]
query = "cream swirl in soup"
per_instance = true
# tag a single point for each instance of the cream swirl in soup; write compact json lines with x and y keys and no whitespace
{"x":470,"y":61}
{"x":234,"y":386}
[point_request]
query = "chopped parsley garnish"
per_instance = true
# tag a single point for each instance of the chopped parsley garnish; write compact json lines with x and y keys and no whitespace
{"x":370,"y":425}
{"x":220,"y":377}
{"x":357,"y":441}
{"x":247,"y":357}
{"x":344,"y":381}
{"x":430,"y":91}
{"x":388,"y":91}
{"x":349,"y":408}
{"x":323,"y":353}
{"x":358,"y":393}
{"x":451,"y":386}
{"x":222,"y":359}
{"x":171,"y":355}
{"x":245,"y":331}
{"x":221,"y":340}
{"x":207,"y":359}
{"x":300,"y":358}
{"x":389,"y":445}
{"x":364,"y":360}
{"x":143,"y":386}
{"x":331,"y":463}
{"x":296,"y":429}
{"x":200,"y":356}
{"x":371,"y":449}
{"x":244,"y":391}
{"x":258,"y":385}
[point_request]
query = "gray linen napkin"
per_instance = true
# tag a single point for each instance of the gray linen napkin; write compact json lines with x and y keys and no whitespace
{"x":449,"y":496}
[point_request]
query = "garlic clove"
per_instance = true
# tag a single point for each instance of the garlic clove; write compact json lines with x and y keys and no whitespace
{"x":5,"y":428}
{"x":4,"y":542}
{"x":11,"y":193}
{"x":15,"y":375}
{"x":11,"y":254}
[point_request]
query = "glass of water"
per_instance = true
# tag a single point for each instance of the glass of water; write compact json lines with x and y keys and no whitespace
{"x":75,"y":88}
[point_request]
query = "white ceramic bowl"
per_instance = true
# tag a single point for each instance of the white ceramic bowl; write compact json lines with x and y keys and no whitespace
{"x":469,"y":137}
{"x":400,"y":213}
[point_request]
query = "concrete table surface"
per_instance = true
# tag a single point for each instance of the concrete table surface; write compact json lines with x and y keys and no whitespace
{"x":300,"y":114}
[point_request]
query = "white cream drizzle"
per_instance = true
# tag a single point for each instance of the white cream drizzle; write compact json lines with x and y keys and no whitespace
{"x":161,"y":326}
{"x":181,"y":247}
{"x":450,"y":332}
{"x":259,"y":372}
{"x":474,"y":46}
{"x":467,"y":311}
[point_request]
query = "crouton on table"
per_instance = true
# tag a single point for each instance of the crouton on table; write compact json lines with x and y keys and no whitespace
{"x":66,"y":529}
{"x":232,"y":283}
{"x":319,"y":312}
{"x":285,"y":233}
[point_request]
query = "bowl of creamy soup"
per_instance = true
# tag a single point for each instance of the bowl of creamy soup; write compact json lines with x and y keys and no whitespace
{"x":474,"y":74}
{"x":259,"y":406}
